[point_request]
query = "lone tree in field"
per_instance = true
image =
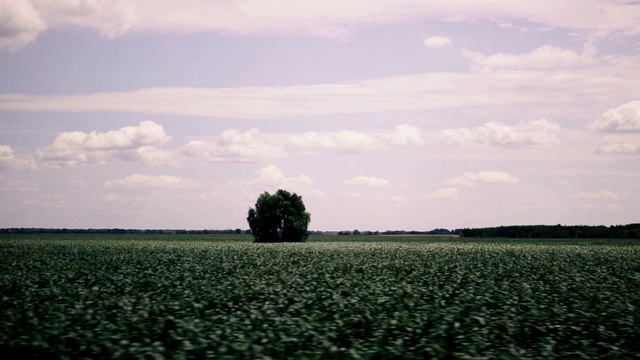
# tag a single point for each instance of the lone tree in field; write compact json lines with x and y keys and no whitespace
{"x":280,"y":217}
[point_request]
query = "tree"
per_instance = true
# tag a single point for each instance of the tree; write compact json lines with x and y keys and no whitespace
{"x":280,"y":217}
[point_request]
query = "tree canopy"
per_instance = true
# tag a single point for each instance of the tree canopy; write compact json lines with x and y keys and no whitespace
{"x":281,"y":217}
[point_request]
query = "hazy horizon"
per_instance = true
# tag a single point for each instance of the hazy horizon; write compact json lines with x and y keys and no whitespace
{"x":405,"y":115}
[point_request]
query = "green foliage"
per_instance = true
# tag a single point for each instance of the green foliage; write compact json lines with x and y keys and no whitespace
{"x":629,"y":231}
{"x":281,"y":217}
{"x":120,"y":297}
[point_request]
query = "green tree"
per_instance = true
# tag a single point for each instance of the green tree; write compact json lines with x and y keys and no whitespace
{"x":281,"y":217}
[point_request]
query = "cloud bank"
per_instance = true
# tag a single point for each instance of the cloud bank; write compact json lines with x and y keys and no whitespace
{"x":534,"y":132}
{"x":624,"y":118}
{"x":22,"y":21}
{"x":484,"y":177}
{"x":349,"y":141}
{"x":623,"y":125}
{"x":233,"y":145}
{"x":368,"y":181}
{"x":543,"y":58}
{"x":131,"y":143}
{"x":147,"y":182}
{"x":449,"y":193}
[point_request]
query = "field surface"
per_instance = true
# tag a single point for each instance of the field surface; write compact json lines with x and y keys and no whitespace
{"x":185,"y":296}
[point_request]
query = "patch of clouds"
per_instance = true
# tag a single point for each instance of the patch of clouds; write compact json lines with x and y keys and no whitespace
{"x":20,"y":24}
{"x":484,"y":177}
{"x":415,"y":92}
{"x":345,"y":141}
{"x":627,"y":144}
{"x":534,"y":132}
{"x":402,"y":135}
{"x":131,"y":143}
{"x":448,"y":193}
{"x":23,"y":20}
{"x":623,"y":118}
{"x":601,"y":207}
{"x":274,"y":177}
{"x":602,"y":195}
{"x":233,"y":145}
{"x":153,"y":155}
{"x":8,"y":160}
{"x":349,"y":141}
{"x":16,"y":186}
{"x":438,"y":42}
{"x":148,"y":182}
{"x":368,"y":181}
{"x":543,"y":58}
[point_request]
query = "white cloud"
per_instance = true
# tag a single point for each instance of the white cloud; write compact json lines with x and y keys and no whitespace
{"x":20,"y":24}
{"x":485,"y":177}
{"x":131,"y":143}
{"x":147,"y":182}
{"x":438,"y":42}
{"x":274,"y":177}
{"x":345,"y":141}
{"x":16,"y":186}
{"x":602,"y":195}
{"x":8,"y":160}
{"x":534,"y":132}
{"x":333,"y":19}
{"x":232,"y":145}
{"x":624,"y":118}
{"x":402,"y":135}
{"x":448,"y":193}
{"x":153,"y":155}
{"x":601,"y":207}
{"x":542,"y":58}
{"x":416,"y":92}
{"x":370,"y":181}
{"x":348,"y":141}
{"x":626,"y":144}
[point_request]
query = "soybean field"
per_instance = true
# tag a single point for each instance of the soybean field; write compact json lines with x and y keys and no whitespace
{"x":223,"y":297}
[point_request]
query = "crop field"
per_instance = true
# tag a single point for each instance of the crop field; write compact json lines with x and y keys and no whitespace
{"x":133,"y":296}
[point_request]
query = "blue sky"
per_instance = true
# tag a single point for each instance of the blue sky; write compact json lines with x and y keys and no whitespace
{"x":381,"y":115}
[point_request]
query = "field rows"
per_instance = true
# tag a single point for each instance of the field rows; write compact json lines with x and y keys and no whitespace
{"x":192,"y":299}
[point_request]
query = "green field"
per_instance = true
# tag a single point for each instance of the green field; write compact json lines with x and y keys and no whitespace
{"x":106,"y":296}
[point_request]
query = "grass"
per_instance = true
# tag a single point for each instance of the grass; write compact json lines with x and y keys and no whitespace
{"x":197,"y":296}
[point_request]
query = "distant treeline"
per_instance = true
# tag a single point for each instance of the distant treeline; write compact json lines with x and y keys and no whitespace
{"x":210,"y":231}
{"x":395,"y":232}
{"x":119,"y":231}
{"x":631,"y":231}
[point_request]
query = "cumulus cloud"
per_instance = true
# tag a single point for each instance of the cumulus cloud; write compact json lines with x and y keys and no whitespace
{"x":542,"y":58}
{"x":370,"y":181}
{"x":345,"y":141}
{"x":16,"y":186}
{"x":624,"y":118}
{"x":348,"y":141}
{"x":626,"y":144}
{"x":147,"y":182}
{"x":131,"y":143}
{"x":534,"y":132}
{"x":333,"y":19}
{"x":233,"y":145}
{"x":438,"y":42}
{"x":8,"y":160}
{"x":449,"y":193}
{"x":20,"y":24}
{"x":602,"y":195}
{"x":274,"y":177}
{"x":485,"y":177}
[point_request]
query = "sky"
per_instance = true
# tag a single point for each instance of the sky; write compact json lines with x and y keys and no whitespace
{"x":381,"y":114}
